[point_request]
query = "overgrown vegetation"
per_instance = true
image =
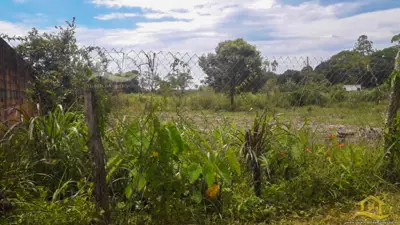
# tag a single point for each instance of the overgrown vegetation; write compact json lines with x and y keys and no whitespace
{"x":171,"y":171}
{"x":310,"y":95}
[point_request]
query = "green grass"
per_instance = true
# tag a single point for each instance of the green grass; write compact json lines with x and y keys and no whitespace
{"x":362,"y":114}
{"x":338,"y":215}
{"x":311,"y":178}
{"x":344,"y":113}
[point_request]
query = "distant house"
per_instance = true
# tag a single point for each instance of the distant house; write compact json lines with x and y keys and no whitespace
{"x":352,"y":87}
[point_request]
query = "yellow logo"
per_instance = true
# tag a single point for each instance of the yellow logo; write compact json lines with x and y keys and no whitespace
{"x":371,"y":207}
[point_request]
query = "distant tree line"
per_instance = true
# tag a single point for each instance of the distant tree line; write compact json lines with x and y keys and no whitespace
{"x":235,"y":67}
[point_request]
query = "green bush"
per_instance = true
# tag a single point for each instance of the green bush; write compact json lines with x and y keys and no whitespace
{"x":159,"y":172}
{"x":305,"y":97}
{"x":79,"y":209}
{"x":52,"y":149}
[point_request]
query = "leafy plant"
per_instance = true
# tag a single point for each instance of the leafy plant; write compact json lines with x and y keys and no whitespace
{"x":255,"y":145}
{"x":163,"y":169}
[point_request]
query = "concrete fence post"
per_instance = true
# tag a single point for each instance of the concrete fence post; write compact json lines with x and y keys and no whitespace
{"x":394,"y":105}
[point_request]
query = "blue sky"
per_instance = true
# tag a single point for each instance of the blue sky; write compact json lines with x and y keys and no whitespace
{"x":277,"y":27}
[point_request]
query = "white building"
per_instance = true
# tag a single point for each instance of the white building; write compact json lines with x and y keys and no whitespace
{"x":352,"y":87}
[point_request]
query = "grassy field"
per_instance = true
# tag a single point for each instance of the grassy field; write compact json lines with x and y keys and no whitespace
{"x":333,"y":216}
{"x":364,"y":119}
{"x":324,"y":120}
{"x":339,"y":215}
{"x":170,"y":163}
{"x":344,"y":113}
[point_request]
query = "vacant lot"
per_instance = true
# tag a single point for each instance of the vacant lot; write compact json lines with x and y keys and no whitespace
{"x":359,"y":121}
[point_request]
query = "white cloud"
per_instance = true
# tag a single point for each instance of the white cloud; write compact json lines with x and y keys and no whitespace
{"x":286,"y":33}
{"x":278,"y":30}
{"x":112,"y":16}
{"x":19,"y":1}
{"x":12,"y":28}
{"x":163,"y":6}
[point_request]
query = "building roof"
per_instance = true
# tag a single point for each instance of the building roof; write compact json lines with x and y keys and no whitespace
{"x":353,"y":85}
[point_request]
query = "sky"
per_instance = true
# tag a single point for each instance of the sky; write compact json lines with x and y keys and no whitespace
{"x":278,"y":28}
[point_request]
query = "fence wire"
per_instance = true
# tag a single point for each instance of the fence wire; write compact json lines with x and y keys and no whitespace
{"x":346,"y":93}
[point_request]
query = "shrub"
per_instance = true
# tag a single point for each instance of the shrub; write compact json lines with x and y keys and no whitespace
{"x":305,"y":97}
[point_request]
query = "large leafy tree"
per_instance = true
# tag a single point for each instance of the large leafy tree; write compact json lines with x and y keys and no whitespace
{"x":305,"y":76}
{"x":59,"y":64}
{"x":364,"y":46}
{"x":233,"y":67}
{"x":382,"y":63}
{"x":396,"y":39}
{"x":360,"y":66}
{"x":256,"y":83}
{"x":348,"y":67}
{"x":290,"y":75}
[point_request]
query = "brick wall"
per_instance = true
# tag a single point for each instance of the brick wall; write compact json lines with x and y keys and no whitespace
{"x":15,"y":75}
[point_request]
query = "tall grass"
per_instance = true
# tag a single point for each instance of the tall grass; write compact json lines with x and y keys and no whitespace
{"x":173,"y":172}
{"x":207,"y":99}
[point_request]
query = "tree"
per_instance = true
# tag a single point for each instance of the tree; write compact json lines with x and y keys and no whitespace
{"x":382,"y":63}
{"x":58,"y":62}
{"x":180,"y":76}
{"x":149,"y":78}
{"x":347,"y":67}
{"x":396,"y":39}
{"x":232,"y":67}
{"x":290,"y":75}
{"x":274,"y":65}
{"x":270,"y":67}
{"x":363,"y":46}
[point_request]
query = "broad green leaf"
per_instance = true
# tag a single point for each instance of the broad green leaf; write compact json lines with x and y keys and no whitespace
{"x":142,"y":183}
{"x":209,"y":174}
{"x":224,"y":172}
{"x":197,"y":197}
{"x":212,"y":156}
{"x":128,"y":190}
{"x":233,"y":161}
{"x":133,"y":173}
{"x":176,"y":136}
{"x":113,"y":161}
{"x":209,"y":177}
{"x":113,"y":169}
{"x":194,"y":172}
{"x":132,"y":134}
{"x":120,"y":205}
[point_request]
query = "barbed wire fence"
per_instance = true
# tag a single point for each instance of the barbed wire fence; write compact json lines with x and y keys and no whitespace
{"x":341,"y":94}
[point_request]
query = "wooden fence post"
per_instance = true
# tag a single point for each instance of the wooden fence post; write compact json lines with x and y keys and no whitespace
{"x":97,"y":154}
{"x":394,"y":105}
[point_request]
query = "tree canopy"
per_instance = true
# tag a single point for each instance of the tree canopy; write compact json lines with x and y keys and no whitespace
{"x":364,"y":46}
{"x":233,"y":67}
{"x":180,"y":76}
{"x":59,"y":63}
{"x":396,"y":39}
